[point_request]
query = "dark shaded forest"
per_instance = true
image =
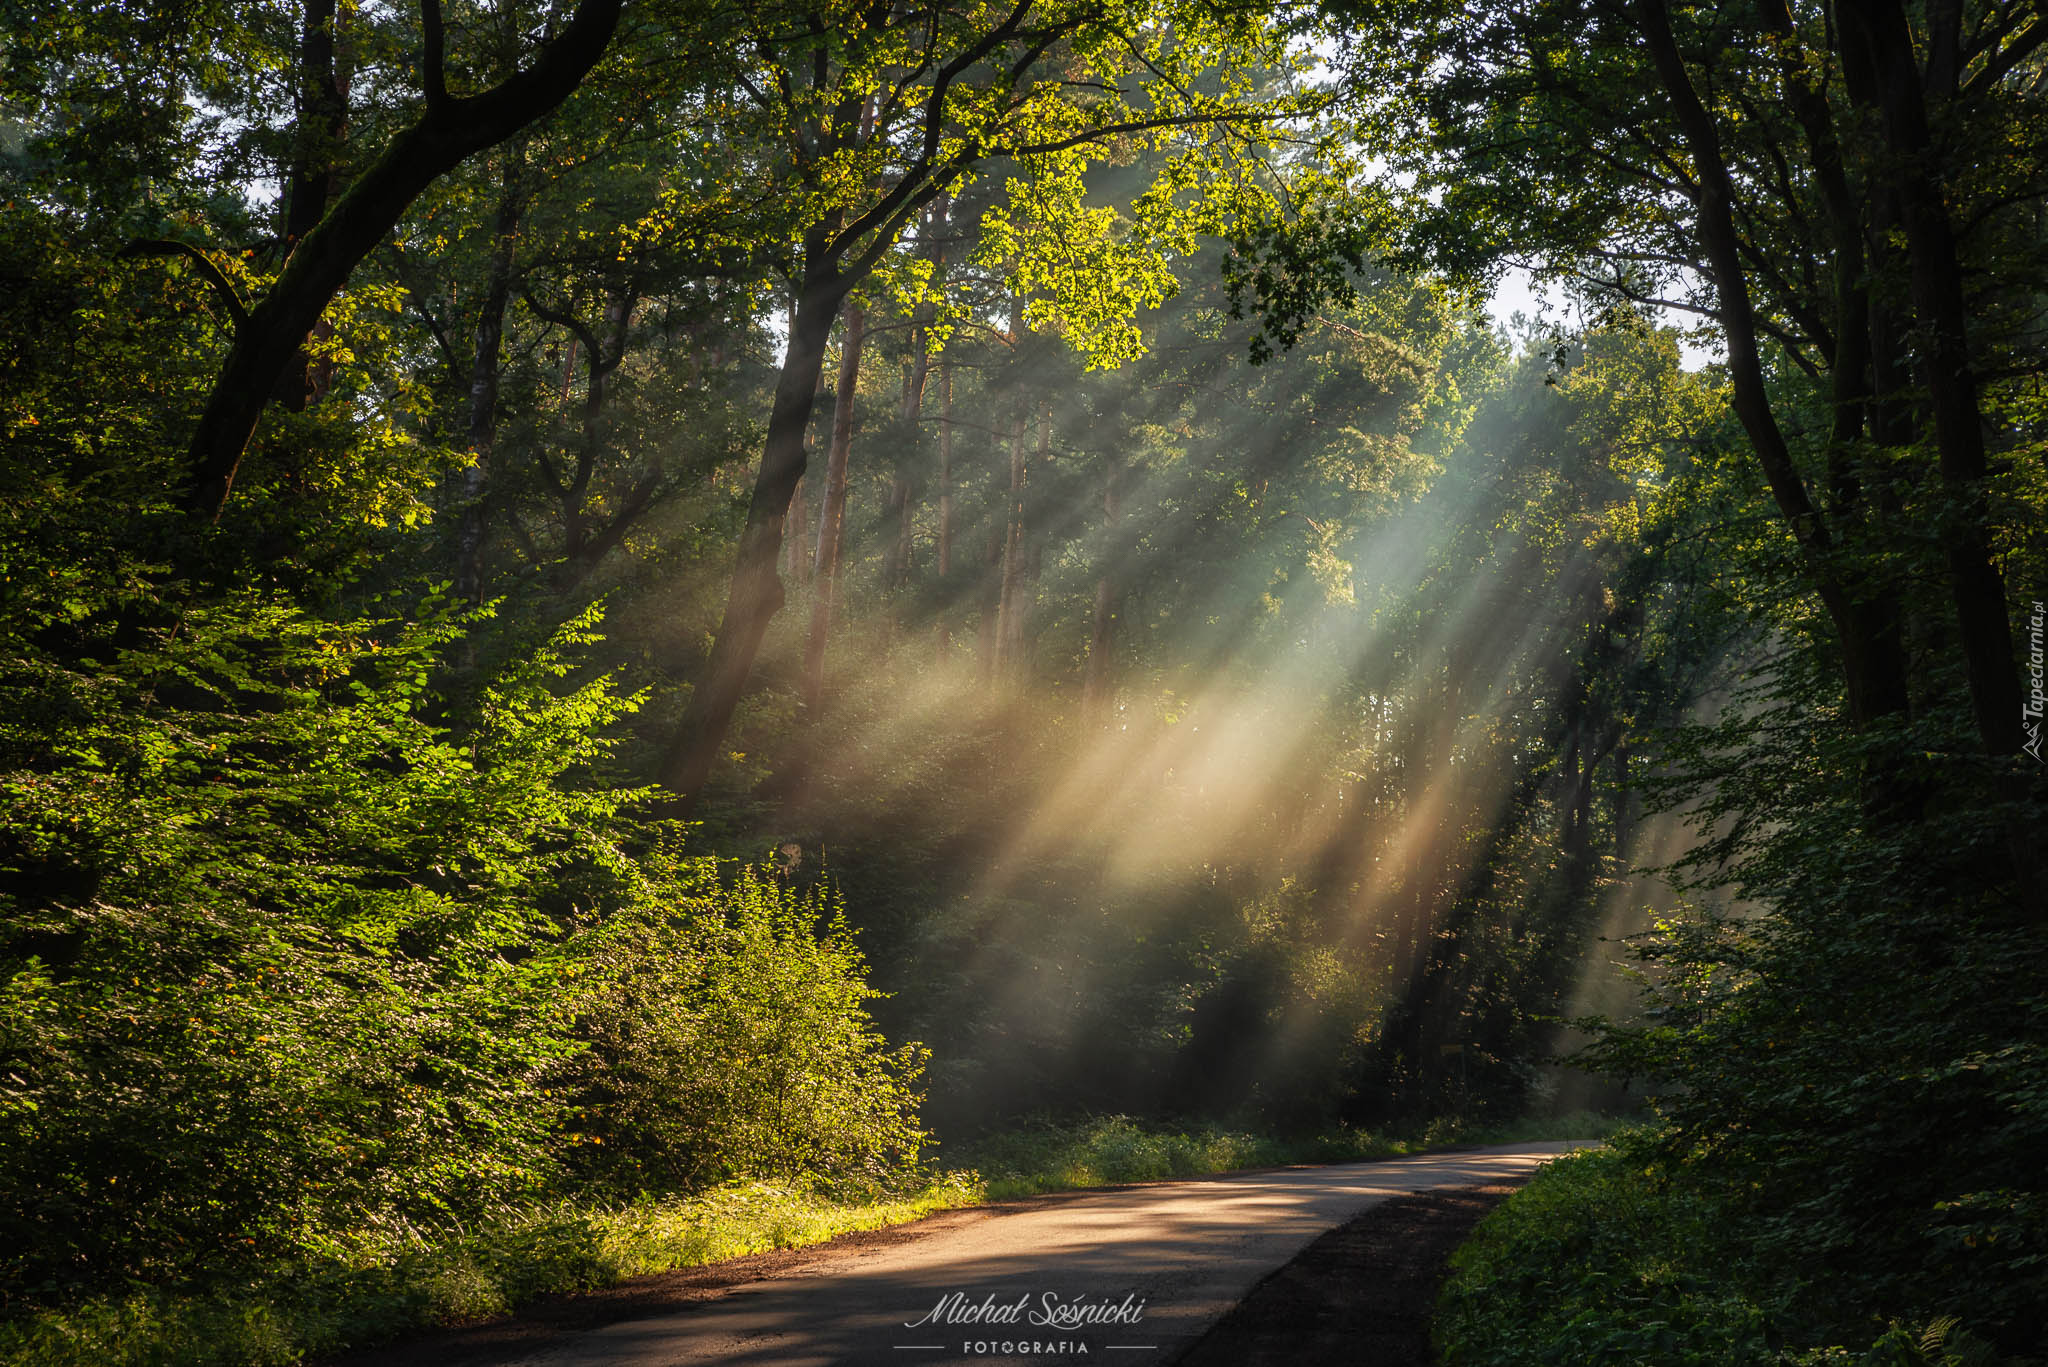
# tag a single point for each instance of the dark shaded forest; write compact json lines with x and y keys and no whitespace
{"x":607,"y":603}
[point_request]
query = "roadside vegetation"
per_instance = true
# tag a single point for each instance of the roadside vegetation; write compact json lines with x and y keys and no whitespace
{"x":1614,"y":1258}
{"x":288,"y":1313}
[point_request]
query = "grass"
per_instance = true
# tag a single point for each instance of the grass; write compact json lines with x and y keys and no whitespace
{"x":387,"y":1290}
{"x":1114,"y":1149}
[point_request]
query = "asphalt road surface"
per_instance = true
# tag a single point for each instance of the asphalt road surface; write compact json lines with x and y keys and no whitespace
{"x":1128,"y":1277}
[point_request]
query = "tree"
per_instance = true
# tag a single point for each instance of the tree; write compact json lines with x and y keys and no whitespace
{"x":1629,"y":148}
{"x":881,"y":113}
{"x":449,"y":129}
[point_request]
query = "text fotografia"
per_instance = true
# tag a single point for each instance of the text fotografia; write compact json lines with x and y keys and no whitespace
{"x":1019,"y":1348}
{"x":1045,"y":1311}
{"x":2030,"y":714}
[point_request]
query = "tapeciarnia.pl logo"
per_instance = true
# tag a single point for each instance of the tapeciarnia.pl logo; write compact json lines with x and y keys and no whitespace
{"x":2031,"y":710}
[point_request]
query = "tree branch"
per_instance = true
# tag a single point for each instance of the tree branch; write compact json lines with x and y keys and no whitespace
{"x":164,"y":246}
{"x":360,"y":219}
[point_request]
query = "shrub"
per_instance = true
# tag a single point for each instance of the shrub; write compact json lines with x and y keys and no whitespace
{"x":1595,"y":1262}
{"x":730,"y":1041}
{"x":300,"y":963}
{"x":283,"y":958}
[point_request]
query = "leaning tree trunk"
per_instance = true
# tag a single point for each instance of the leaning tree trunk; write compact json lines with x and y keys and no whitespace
{"x":756,"y":594}
{"x":450,"y":131}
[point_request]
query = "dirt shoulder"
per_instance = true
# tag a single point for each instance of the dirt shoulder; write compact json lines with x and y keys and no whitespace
{"x":1360,"y":1296}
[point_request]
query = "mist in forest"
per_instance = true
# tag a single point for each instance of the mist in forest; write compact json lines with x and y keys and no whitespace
{"x":1204,"y":738}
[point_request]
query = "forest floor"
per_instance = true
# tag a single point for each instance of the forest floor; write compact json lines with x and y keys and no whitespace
{"x":1298,"y":1265}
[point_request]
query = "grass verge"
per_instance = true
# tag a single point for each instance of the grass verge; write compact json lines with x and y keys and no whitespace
{"x":385,"y":1291}
{"x":1115,"y":1149}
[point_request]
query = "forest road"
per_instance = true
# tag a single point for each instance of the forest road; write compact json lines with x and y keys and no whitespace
{"x":1025,"y":1283}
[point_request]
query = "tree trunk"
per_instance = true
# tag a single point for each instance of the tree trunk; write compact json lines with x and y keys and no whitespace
{"x":585,"y":539}
{"x":1009,"y":607}
{"x":1715,"y":198}
{"x":319,"y":129}
{"x":1873,"y":629}
{"x":450,"y":131}
{"x":799,"y":533}
{"x":1098,"y":691}
{"x":945,"y":473}
{"x":906,"y":486}
{"x":987,"y":635}
{"x":483,"y":385}
{"x":903,"y":490}
{"x":1881,"y":30}
{"x":1880,"y":37}
{"x":832,"y":520}
{"x":945,"y":547}
{"x":796,"y":541}
{"x":756,"y":594}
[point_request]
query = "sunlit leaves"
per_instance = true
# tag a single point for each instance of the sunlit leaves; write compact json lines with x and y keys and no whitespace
{"x":856,"y":121}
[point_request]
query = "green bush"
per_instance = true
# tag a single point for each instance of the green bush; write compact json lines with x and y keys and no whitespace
{"x":731,"y":1041}
{"x":1596,"y":1262}
{"x":302,"y":963}
{"x":284,"y":958}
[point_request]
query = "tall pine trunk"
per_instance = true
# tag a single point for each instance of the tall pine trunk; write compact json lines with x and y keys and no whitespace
{"x":1099,"y":690}
{"x":1010,"y":605}
{"x":485,"y":362}
{"x":945,"y":547}
{"x":903,"y":494}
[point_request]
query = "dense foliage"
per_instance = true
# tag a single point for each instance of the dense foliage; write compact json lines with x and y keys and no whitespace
{"x":1598,"y":1262}
{"x":1846,"y":1022}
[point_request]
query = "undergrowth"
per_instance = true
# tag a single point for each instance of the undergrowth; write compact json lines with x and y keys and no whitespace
{"x":382,"y":1292}
{"x":296,"y":1313}
{"x":1606,"y":1259}
{"x":1053,"y":1156}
